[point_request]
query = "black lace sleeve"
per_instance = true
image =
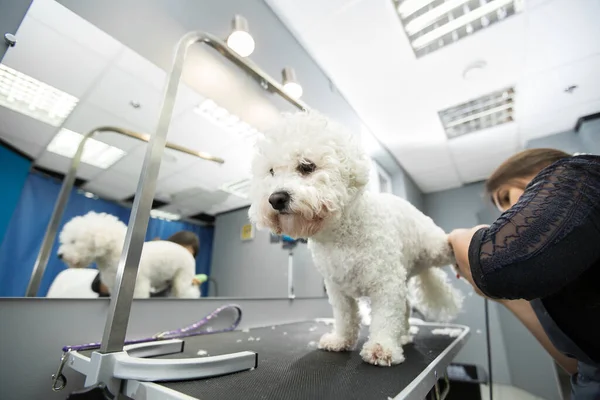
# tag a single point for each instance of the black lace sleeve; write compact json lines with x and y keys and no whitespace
{"x":547,"y":239}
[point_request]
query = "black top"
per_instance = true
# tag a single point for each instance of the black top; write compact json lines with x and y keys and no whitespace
{"x":547,"y":247}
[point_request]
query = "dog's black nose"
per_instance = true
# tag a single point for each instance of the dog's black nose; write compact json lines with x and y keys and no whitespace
{"x":60,"y":256}
{"x":279,"y":200}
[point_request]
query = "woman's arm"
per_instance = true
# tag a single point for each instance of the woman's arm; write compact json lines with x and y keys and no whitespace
{"x":521,"y":309}
{"x":548,"y":239}
{"x":524,"y":312}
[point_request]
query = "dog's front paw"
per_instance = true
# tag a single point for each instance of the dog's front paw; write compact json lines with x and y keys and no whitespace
{"x":382,"y":355}
{"x":334,"y":342}
{"x":406,"y":339}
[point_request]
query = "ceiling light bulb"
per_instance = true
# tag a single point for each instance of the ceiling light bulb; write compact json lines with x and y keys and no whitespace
{"x":290,"y":83}
{"x":240,"y":40}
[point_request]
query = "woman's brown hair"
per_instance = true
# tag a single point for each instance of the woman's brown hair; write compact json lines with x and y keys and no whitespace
{"x":522,"y":165}
{"x":186,"y":238}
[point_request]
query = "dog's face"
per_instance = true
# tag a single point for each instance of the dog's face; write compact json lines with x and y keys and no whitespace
{"x":305,"y":171}
{"x":86,"y":238}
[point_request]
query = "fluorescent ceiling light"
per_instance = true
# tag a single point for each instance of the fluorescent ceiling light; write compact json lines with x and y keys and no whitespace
{"x":28,"y":96}
{"x":433,"y":24}
{"x":239,"y":188}
{"x":95,"y":152}
{"x":164,"y":215}
{"x":482,"y":113}
{"x":224,"y":119}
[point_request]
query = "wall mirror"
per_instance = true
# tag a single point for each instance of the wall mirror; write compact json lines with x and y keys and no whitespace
{"x":75,"y":70}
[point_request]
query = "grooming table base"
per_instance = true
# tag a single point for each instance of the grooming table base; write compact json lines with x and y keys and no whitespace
{"x":291,"y":367}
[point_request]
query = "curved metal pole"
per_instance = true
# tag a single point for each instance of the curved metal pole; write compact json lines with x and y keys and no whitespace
{"x":121,"y":298}
{"x":41,"y":261}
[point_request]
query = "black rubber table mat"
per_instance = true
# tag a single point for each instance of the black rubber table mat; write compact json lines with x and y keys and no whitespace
{"x":291,"y":367}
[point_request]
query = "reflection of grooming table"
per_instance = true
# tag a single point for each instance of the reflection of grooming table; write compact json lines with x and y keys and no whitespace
{"x":291,"y":367}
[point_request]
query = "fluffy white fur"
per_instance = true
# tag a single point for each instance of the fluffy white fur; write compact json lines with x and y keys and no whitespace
{"x":100,"y":238}
{"x":365,"y":245}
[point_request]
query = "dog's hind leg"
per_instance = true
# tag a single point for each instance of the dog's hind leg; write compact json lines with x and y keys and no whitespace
{"x":407,"y":338}
{"x":142,"y":288}
{"x":182,"y":286}
{"x":388,"y":323}
{"x":347,"y":321}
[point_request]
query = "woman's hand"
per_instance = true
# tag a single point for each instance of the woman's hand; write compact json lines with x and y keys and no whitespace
{"x":460,"y":240}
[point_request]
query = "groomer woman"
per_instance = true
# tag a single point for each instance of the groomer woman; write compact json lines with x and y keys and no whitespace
{"x":541,"y":257}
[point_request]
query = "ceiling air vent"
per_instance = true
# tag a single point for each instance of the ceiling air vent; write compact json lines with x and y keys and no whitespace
{"x":484,"y":112}
{"x":433,"y":24}
{"x":239,"y":188}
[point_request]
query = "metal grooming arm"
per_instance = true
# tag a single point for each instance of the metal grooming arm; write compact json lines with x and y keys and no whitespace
{"x":111,"y":363}
{"x":63,"y":197}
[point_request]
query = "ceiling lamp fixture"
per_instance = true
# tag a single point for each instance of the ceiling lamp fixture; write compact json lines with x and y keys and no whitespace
{"x":95,"y":152}
{"x":33,"y":98}
{"x":167,"y":216}
{"x":484,"y":112}
{"x":221,"y":117}
{"x":433,"y":24}
{"x":290,"y":83}
{"x":240,"y":40}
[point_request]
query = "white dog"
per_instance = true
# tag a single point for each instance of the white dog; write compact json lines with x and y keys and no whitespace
{"x":309,"y":179}
{"x":100,"y":238}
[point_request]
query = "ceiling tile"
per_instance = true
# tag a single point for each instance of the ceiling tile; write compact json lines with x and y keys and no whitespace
{"x":62,"y":164}
{"x":197,"y":133}
{"x":88,"y":116}
{"x":172,"y":162}
{"x":544,"y":124}
{"x":115,"y":91}
{"x":72,"y":26}
{"x":21,"y":127}
{"x":212,"y":176}
{"x":398,"y":96}
{"x":424,"y":158}
{"x":54,"y":59}
{"x":545,"y":93}
{"x":31,"y":149}
{"x":437,"y":181}
{"x":186,"y":100}
{"x":136,"y":65}
{"x":112,"y":186}
{"x":561,"y":31}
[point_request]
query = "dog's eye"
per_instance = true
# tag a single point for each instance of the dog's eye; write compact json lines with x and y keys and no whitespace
{"x":272,"y":172}
{"x":306,"y":167}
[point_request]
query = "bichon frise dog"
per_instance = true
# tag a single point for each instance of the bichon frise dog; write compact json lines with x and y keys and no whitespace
{"x":309,"y":180}
{"x":100,"y":238}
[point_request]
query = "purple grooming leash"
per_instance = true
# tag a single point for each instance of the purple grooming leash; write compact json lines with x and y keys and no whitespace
{"x":191,"y":330}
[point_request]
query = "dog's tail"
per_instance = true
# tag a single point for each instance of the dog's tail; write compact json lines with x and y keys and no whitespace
{"x":432,"y":294}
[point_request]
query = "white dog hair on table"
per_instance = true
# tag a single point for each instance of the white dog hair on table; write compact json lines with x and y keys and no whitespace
{"x":100,"y":238}
{"x":309,"y":180}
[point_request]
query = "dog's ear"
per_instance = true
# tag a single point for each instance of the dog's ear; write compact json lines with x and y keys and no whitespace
{"x":360,"y":167}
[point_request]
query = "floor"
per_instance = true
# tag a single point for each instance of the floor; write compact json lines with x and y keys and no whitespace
{"x":503,"y":392}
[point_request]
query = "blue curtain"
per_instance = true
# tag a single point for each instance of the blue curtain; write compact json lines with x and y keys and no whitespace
{"x":14,"y":169}
{"x":26,"y":230}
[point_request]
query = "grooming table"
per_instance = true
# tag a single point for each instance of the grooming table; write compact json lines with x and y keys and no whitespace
{"x":290,"y":366}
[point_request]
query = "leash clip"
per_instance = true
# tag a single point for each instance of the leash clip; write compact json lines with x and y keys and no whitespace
{"x":59,"y":381}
